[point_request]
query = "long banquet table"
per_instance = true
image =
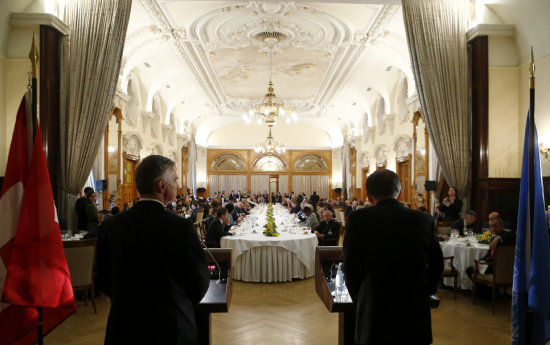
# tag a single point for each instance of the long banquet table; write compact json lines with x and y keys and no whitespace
{"x":258,"y":258}
{"x":464,"y":256}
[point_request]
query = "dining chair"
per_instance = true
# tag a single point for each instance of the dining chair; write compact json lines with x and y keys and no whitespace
{"x":443,"y":228}
{"x":499,"y":273}
{"x":80,"y":257}
{"x":199,"y":215}
{"x":450,"y":271}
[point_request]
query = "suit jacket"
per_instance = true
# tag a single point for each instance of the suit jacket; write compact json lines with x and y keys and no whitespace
{"x":330,"y":229}
{"x":80,"y":207}
{"x":152,"y":266}
{"x":459,"y":225}
{"x":451,"y":212}
{"x":216,"y":230}
{"x":348,"y":211}
{"x":314,"y":198}
{"x":384,"y":246}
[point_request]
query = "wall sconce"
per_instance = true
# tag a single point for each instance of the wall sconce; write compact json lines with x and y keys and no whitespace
{"x":544,"y":149}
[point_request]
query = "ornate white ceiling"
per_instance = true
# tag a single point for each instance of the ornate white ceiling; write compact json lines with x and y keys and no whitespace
{"x":205,"y":61}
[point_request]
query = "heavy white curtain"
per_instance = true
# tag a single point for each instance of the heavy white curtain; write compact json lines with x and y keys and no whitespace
{"x":227,"y":183}
{"x":320,"y":184}
{"x":259,"y":183}
{"x":283,"y":184}
{"x":310,"y":183}
{"x":436,"y":35}
{"x":92,"y":55}
{"x":301,"y":183}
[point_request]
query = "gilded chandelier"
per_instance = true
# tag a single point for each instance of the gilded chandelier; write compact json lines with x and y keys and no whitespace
{"x":270,"y":108}
{"x":270,"y":146}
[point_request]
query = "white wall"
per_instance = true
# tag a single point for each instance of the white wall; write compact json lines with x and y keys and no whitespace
{"x":542,"y":104}
{"x":296,"y":135}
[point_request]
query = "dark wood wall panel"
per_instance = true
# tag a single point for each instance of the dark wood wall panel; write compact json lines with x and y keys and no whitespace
{"x":50,"y":69}
{"x":478,"y":62}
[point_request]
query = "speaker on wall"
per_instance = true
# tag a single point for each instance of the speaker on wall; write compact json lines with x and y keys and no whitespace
{"x":429,"y":185}
{"x":100,"y":185}
{"x":338,"y":190}
{"x":201,"y":190}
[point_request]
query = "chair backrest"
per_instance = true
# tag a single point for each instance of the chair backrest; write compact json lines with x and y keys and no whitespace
{"x":199,"y":215}
{"x":340,"y":216}
{"x":504,"y":265}
{"x":80,"y":257}
{"x":443,"y":228}
{"x":198,"y":228}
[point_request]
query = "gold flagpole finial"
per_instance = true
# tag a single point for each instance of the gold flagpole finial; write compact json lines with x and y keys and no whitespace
{"x":532,"y":71}
{"x":35,"y":58}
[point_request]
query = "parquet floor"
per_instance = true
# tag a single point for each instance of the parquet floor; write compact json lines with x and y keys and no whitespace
{"x":291,"y":313}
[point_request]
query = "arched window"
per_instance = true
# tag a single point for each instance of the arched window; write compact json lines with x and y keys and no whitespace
{"x":310,"y":162}
{"x":269,"y":163}
{"x":228,"y":161}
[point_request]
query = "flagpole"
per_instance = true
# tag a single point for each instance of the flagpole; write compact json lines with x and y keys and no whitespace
{"x":531,"y":178}
{"x":35,"y":58}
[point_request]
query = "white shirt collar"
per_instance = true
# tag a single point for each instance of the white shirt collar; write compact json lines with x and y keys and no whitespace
{"x":151,"y":199}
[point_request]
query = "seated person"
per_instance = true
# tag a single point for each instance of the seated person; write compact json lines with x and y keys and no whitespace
{"x":219,"y":227}
{"x":465,"y":224}
{"x":233,"y":220}
{"x":502,"y":236}
{"x":310,"y":218}
{"x":493,"y":215}
{"x":294,"y":207}
{"x":329,"y":228}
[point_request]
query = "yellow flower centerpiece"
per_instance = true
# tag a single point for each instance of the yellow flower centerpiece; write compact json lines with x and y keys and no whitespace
{"x":485,"y":238}
{"x":270,"y":228}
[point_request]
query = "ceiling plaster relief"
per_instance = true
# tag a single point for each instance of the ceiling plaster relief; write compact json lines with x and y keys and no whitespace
{"x":169,"y":134}
{"x":185,"y":51}
{"x":403,"y":147}
{"x":132,"y":143}
{"x":183,"y":140}
{"x":133,"y":105}
{"x":146,"y":119}
{"x":380,"y":155}
{"x":364,"y":161}
{"x":156,"y":149}
{"x":389,"y":122}
{"x":121,"y":101}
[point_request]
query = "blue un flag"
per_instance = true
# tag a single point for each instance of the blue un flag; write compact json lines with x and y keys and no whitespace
{"x":532,"y":264}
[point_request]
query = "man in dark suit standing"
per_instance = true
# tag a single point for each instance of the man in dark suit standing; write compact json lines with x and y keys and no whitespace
{"x":380,"y":241}
{"x":152,"y":265}
{"x":314,"y":198}
{"x":80,"y":208}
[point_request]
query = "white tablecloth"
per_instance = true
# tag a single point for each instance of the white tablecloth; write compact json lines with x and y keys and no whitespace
{"x":464,"y":257}
{"x":258,"y":258}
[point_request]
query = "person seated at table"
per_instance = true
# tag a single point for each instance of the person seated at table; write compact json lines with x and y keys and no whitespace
{"x":465,"y":224}
{"x":329,"y":228}
{"x":294,"y":207}
{"x":493,"y":215}
{"x":219,"y":227}
{"x":230,"y":214}
{"x":501,"y":236}
{"x":451,"y":206}
{"x":438,"y":215}
{"x":310,"y":218}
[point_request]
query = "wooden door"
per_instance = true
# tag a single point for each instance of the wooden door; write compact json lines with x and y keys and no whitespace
{"x":273,"y":184}
{"x":129,"y":186}
{"x":404,"y":173}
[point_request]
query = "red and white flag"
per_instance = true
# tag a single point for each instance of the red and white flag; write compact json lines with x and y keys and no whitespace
{"x":33,"y":269}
